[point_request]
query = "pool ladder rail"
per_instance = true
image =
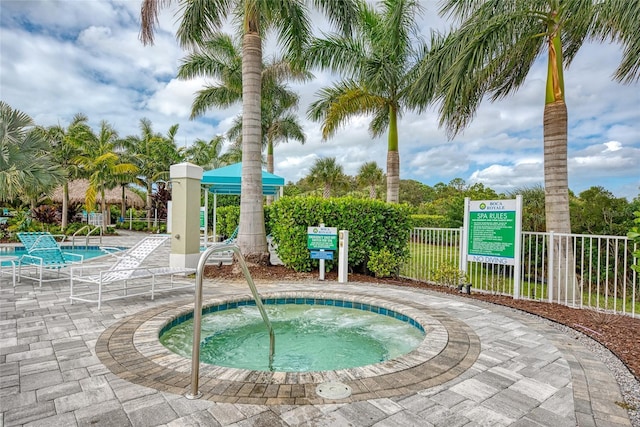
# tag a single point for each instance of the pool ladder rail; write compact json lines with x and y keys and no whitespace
{"x":197,"y":313}
{"x":89,"y":233}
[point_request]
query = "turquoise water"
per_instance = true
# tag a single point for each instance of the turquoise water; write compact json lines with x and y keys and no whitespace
{"x":307,"y":338}
{"x":87,"y":251}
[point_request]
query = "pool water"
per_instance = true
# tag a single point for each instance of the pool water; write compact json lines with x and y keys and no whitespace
{"x":87,"y":252}
{"x":307,"y":338}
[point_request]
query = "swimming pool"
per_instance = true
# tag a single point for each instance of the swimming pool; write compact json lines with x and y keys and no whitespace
{"x":87,"y":252}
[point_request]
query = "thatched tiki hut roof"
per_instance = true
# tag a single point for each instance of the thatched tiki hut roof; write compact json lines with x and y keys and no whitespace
{"x":78,"y":190}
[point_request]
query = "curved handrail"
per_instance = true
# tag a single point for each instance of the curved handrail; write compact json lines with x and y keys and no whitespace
{"x":86,"y":242}
{"x":197,"y":313}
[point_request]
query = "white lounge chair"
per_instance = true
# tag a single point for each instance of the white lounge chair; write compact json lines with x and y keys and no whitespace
{"x":126,"y":277}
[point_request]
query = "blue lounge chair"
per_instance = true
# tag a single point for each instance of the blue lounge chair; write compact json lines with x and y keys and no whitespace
{"x":43,"y":254}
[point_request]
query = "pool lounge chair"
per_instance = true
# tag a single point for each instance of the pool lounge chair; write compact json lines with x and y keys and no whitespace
{"x":44,"y":254}
{"x":126,"y":277}
{"x":223,"y":257}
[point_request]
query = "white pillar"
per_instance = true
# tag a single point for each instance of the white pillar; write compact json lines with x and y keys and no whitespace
{"x":343,"y":256}
{"x":185,"y":215}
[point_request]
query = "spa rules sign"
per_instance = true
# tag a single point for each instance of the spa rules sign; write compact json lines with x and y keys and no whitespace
{"x":493,"y":231}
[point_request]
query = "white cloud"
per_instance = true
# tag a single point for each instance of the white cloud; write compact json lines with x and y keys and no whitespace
{"x":507,"y":178}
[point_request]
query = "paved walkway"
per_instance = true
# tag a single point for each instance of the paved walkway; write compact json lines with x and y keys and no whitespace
{"x":64,"y":365}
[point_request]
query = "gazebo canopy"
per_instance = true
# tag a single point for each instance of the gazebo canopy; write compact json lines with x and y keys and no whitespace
{"x":227,"y":180}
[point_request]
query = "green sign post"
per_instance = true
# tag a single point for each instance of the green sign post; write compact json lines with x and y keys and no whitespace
{"x":492,"y":231}
{"x":319,"y":240}
{"x":319,"y":237}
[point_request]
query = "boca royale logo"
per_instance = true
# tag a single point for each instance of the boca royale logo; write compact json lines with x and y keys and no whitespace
{"x":492,"y":206}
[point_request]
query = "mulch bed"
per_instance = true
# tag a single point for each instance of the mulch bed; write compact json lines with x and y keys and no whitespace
{"x":620,"y":334}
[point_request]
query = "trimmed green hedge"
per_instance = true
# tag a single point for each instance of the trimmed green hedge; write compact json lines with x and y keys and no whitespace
{"x":372,"y":225}
{"x":227,"y":219}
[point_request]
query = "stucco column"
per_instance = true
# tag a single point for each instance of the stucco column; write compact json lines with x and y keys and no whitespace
{"x":185,"y":215}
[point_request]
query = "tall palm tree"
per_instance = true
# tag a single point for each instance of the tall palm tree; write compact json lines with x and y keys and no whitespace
{"x":279,"y":124}
{"x":26,"y":167}
{"x":221,"y":58}
{"x":153,"y":154}
{"x":370,"y":175}
{"x":64,"y":151}
{"x":328,"y":174}
{"x":100,"y":162}
{"x":495,"y":47}
{"x":379,"y":67}
{"x":289,"y":20}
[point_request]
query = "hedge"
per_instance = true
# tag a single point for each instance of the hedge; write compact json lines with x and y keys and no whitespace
{"x":373,"y":225}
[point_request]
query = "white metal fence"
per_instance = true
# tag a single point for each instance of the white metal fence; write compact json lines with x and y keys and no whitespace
{"x":578,"y":270}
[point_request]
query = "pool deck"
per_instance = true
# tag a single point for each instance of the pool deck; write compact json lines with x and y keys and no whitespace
{"x":67,"y":365}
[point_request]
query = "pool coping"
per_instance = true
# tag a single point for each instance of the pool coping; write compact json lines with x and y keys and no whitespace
{"x":131,"y":350}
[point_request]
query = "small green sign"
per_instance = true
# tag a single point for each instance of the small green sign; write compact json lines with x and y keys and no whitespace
{"x":322,"y":238}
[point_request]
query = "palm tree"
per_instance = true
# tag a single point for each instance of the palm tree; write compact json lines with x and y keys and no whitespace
{"x":370,"y":175}
{"x":64,"y":152}
{"x":206,"y":153}
{"x":99,"y":161}
{"x":279,"y":124}
{"x":153,"y":154}
{"x":289,"y":20}
{"x":493,"y":51}
{"x":221,"y":58}
{"x":379,"y":64}
{"x":328,"y":174}
{"x":26,"y":167}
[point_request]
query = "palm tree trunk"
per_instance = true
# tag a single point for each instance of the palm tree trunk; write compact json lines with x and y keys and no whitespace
{"x":269,"y":166}
{"x":65,"y":205}
{"x":557,"y":199}
{"x":149,"y":190}
{"x":103,"y":207}
{"x":326,"y":193}
{"x":393,"y":176}
{"x":123,"y":209}
{"x":372,"y":191}
{"x":251,"y":234}
{"x":393,"y":159}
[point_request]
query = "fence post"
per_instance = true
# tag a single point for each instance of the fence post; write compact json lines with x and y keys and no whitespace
{"x":517,"y":262}
{"x":550,"y":265}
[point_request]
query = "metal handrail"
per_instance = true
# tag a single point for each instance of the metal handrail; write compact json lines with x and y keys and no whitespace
{"x":86,"y":242}
{"x":197,"y":313}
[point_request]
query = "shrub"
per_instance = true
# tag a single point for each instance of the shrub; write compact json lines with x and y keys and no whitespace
{"x":449,"y":275}
{"x":372,"y":225}
{"x":382,"y":263}
{"x":46,"y":214}
{"x":227,"y":219}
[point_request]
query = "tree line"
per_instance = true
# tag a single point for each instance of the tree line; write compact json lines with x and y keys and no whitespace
{"x":38,"y":159}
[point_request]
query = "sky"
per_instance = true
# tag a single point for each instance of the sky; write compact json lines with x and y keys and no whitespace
{"x":59,"y":58}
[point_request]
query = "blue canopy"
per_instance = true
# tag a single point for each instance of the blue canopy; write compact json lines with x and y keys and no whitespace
{"x":227,"y":180}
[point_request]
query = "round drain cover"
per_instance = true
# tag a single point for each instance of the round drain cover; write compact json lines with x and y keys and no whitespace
{"x":333,"y":390}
